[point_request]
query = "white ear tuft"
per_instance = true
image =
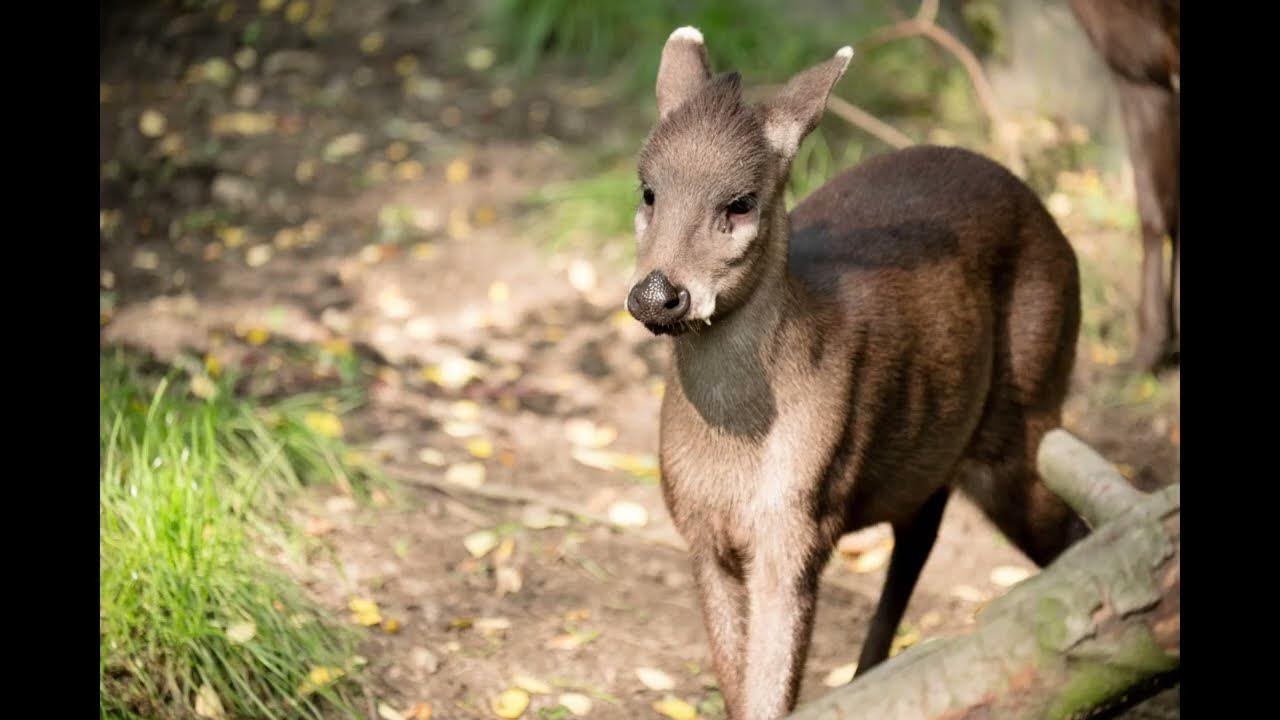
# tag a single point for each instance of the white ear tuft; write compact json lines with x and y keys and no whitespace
{"x":845,"y":52}
{"x":688,"y":32}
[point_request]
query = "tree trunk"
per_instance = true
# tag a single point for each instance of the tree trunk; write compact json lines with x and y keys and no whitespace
{"x":1094,"y":631}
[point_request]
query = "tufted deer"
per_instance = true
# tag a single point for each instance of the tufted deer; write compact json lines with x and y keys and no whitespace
{"x":908,"y":329}
{"x":1139,"y":40}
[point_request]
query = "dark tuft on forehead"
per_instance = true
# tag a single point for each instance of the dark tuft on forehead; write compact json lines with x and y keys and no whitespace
{"x":713,"y":124}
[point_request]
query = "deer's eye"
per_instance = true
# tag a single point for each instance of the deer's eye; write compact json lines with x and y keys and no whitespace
{"x":742,"y":205}
{"x":648,"y":195}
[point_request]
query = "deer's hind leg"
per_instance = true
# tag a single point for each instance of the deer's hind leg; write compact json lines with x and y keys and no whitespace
{"x":913,"y":540}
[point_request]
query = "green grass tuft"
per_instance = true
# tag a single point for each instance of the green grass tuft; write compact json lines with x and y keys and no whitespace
{"x":189,"y":488}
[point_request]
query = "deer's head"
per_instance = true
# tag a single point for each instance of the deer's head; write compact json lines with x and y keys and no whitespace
{"x":711,"y":177}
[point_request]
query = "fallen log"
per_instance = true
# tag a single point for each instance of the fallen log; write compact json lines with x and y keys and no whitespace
{"x":1093,"y":632}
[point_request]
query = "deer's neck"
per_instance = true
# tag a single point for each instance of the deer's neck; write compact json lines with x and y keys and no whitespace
{"x":728,"y":371}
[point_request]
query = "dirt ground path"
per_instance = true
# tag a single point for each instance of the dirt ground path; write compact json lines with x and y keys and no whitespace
{"x":319,"y":192}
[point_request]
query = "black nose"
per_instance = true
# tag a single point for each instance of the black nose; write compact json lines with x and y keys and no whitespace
{"x":655,"y":301}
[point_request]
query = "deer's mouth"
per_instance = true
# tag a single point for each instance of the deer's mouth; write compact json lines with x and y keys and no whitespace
{"x":672,"y":329}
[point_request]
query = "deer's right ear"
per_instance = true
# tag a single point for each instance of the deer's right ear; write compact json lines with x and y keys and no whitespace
{"x":683,"y":69}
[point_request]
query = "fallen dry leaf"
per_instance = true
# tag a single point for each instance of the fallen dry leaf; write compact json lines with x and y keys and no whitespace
{"x":491,"y":625}
{"x":208,"y":704}
{"x":1009,"y":575}
{"x":323,"y":423}
{"x":364,"y":611}
{"x":481,"y":448}
{"x":421,"y":711}
{"x":507,"y":580}
{"x":510,"y":704}
{"x":628,"y":514}
{"x":386,"y":712}
{"x":531,"y":685}
{"x":465,"y":474}
{"x":458,"y":429}
{"x":504,"y":551}
{"x":538,"y":517}
{"x":655,"y":679}
{"x":457,"y":171}
{"x":241,"y":632}
{"x":576,"y":703}
{"x":318,"y":678}
{"x":905,"y":638}
{"x":152,"y":124}
{"x":202,"y":387}
{"x":968,"y":593}
{"x":841,"y":675}
{"x":431,"y":456}
{"x":391,"y":626}
{"x":585,"y":433}
{"x":480,"y":543}
{"x":873,"y":559}
{"x":676,"y":709}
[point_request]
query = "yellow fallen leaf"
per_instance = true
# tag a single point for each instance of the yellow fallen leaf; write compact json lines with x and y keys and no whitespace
{"x":212,"y":366}
{"x":628,"y":514}
{"x":421,"y":711}
{"x":968,"y":593}
{"x":464,"y":410}
{"x":258,"y":255}
{"x":241,"y":632}
{"x":480,"y":543}
{"x":257,"y":336}
{"x":297,"y":11}
{"x":676,"y":709}
{"x":406,"y":65}
{"x":452,"y":374}
{"x":531,"y":685}
{"x":202,"y":387}
{"x":841,"y":675}
{"x":481,"y":448}
{"x":323,"y":423}
{"x":318,"y":678}
{"x":655,"y":679}
{"x":268,"y":6}
{"x":208,"y":704}
{"x":391,"y":626}
{"x":905,"y":638}
{"x":510,"y":704}
{"x":152,"y":124}
{"x":486,"y":215}
{"x":585,"y":433}
{"x":409,"y":170}
{"x":457,"y":429}
{"x":499,"y":292}
{"x":491,"y":625}
{"x":243,"y":123}
{"x":582,"y":276}
{"x":431,"y":456}
{"x":507,"y":580}
{"x":371,"y":43}
{"x":364,"y":611}
{"x":386,"y":712}
{"x":459,"y":226}
{"x":874,"y":558}
{"x":576,"y":703}
{"x":457,"y":171}
{"x":1009,"y":575}
{"x":504,"y":551}
{"x":337,"y":346}
{"x":465,"y":474}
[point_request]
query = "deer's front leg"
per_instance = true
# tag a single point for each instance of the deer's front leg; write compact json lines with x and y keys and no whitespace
{"x":782,"y":585}
{"x":724,"y":614}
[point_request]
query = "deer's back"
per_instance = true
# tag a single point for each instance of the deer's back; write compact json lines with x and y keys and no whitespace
{"x":956,"y":297}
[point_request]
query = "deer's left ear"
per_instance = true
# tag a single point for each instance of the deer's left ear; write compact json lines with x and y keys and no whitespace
{"x":795,"y":111}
